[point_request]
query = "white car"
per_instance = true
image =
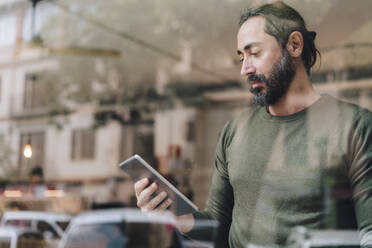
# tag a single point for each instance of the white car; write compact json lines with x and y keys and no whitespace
{"x":121,"y":228}
{"x":15,"y":237}
{"x":51,"y":225}
{"x":302,"y":237}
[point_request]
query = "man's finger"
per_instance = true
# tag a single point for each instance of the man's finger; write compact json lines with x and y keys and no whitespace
{"x":155,"y":202}
{"x":145,"y":195}
{"x":140,"y":185}
{"x":164,"y":205}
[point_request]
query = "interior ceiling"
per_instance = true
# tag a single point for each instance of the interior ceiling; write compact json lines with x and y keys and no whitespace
{"x":195,"y":40}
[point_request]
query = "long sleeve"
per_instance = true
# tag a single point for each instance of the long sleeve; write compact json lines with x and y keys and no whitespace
{"x":360,"y":174}
{"x":220,"y":199}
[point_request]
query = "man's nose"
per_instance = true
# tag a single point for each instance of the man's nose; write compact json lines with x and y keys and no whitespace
{"x":247,"y":68}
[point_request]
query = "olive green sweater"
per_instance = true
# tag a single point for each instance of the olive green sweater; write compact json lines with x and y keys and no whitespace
{"x":273,"y":173}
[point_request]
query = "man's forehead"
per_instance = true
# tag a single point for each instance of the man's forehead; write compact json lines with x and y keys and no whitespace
{"x":251,"y":33}
{"x":253,"y":25}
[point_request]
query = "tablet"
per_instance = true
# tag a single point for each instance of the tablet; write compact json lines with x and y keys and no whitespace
{"x":137,"y":168}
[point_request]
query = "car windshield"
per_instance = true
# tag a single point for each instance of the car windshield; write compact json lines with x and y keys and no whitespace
{"x":63,"y":224}
{"x":110,"y":235}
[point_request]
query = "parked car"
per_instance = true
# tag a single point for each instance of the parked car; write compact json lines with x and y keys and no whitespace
{"x":16,"y":237}
{"x":51,"y":225}
{"x":302,"y":237}
{"x":122,"y":227}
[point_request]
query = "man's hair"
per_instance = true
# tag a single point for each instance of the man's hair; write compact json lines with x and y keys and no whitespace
{"x":281,"y":21}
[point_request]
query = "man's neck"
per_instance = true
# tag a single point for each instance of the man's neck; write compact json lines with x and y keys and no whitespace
{"x":299,"y":96}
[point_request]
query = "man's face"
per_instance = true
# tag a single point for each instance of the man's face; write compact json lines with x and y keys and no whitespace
{"x":268,"y":67}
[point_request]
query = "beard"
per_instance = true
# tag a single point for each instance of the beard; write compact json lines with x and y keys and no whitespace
{"x":277,"y":84}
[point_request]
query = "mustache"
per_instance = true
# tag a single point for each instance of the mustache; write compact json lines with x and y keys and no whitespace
{"x":257,"y":77}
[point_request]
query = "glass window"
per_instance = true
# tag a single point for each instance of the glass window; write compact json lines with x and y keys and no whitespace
{"x":7,"y":29}
{"x":83,"y":144}
{"x":166,"y":72}
{"x":63,"y":224}
{"x":45,"y":227}
{"x":19,"y":223}
{"x":33,"y":93}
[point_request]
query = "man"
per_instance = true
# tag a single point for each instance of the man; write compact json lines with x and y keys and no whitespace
{"x":275,"y":163}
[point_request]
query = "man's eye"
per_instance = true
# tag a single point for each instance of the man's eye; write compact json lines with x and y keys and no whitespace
{"x":255,"y":54}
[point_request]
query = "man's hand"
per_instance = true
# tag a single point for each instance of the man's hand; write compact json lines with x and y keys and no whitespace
{"x":144,"y":193}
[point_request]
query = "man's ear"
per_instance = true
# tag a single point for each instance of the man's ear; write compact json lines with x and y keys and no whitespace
{"x":295,"y":44}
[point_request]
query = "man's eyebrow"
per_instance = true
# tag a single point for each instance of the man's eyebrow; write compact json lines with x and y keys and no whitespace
{"x":248,"y":46}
